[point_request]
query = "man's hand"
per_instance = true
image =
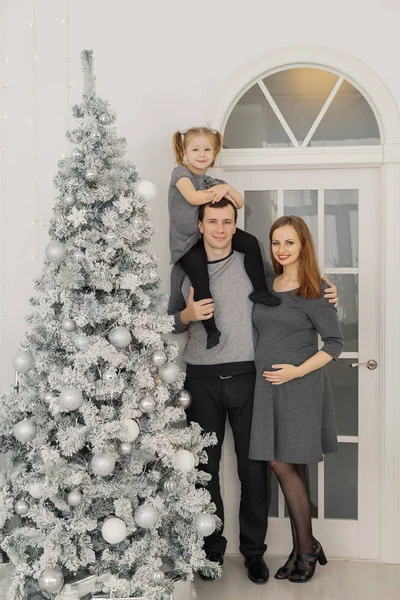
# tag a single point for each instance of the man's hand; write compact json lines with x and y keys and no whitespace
{"x":331,"y":293}
{"x":283,"y":374}
{"x":197,"y":311}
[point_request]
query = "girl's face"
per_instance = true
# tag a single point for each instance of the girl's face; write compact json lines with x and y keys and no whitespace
{"x":199,"y":153}
{"x":286,"y":245}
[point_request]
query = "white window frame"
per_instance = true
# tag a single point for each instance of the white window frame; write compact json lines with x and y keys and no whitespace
{"x":387,"y":157}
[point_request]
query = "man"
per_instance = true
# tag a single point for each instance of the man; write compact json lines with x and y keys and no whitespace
{"x":221,"y":379}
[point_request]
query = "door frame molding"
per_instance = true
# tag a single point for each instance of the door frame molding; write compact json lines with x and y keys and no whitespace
{"x":387,"y":157}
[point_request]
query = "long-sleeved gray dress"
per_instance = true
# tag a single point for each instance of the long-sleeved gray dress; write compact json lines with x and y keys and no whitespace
{"x":294,"y":422}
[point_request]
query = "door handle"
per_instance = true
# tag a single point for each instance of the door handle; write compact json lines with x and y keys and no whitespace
{"x":370,"y":364}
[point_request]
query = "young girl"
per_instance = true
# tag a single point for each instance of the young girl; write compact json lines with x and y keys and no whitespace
{"x":196,"y":150}
{"x":293,"y":416}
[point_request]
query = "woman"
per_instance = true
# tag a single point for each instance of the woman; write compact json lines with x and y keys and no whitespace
{"x":293,"y":418}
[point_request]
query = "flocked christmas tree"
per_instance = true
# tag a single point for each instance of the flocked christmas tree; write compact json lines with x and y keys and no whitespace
{"x":100,"y":475}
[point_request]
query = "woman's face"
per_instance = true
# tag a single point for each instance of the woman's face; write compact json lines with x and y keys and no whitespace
{"x":286,"y":245}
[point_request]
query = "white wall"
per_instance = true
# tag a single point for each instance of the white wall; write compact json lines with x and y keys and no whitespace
{"x":160,"y":64}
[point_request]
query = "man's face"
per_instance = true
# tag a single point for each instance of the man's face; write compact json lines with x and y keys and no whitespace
{"x":218,"y":227}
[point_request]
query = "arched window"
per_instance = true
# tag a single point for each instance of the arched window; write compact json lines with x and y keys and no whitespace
{"x":300,"y":107}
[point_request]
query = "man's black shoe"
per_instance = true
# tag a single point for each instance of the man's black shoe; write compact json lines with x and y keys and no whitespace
{"x":213,"y":557}
{"x":257,"y":569}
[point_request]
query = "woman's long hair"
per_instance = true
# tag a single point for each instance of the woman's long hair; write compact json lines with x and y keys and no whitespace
{"x":181,"y":139}
{"x":309,"y":275}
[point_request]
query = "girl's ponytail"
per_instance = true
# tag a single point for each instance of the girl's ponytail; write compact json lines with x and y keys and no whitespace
{"x":178,"y":147}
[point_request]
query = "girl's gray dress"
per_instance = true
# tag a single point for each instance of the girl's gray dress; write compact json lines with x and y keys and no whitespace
{"x":294,"y":422}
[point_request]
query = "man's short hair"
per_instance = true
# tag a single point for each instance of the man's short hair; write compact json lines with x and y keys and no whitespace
{"x":221,"y":204}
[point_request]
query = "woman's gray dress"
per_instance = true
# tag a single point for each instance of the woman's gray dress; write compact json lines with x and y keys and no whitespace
{"x":294,"y":422}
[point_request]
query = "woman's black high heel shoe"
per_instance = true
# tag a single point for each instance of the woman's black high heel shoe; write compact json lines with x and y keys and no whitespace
{"x":306,"y":564}
{"x":285,"y":571}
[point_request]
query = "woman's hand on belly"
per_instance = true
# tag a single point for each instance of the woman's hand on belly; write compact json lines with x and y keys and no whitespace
{"x":283,"y":374}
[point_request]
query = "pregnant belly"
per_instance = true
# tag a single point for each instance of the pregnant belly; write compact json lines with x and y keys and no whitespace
{"x":289,"y":356}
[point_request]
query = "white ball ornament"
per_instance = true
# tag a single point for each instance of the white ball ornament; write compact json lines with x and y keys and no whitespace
{"x":146,"y":189}
{"x":69,"y":199}
{"x":23,"y":362}
{"x":48,"y":397}
{"x":25,"y":431}
{"x":75,"y":498}
{"x":95,"y":135}
{"x":170,"y":486}
{"x":114,"y":530}
{"x":130,"y":430}
{"x":120,"y":337}
{"x":183,"y":399}
{"x":80,"y":341}
{"x":125,"y":448}
{"x":146,"y":516}
{"x":68,"y":325}
{"x":169,"y":372}
{"x":70,"y":398}
{"x":103,"y":464}
{"x":147,"y":404}
{"x":103,"y":118}
{"x":21,"y":507}
{"x":158,"y":577}
{"x":55,"y":252}
{"x":51,"y":580}
{"x":36,"y":489}
{"x":183,"y":460}
{"x":77,"y":154}
{"x":91,"y":174}
{"x":159,"y":358}
{"x":205,"y":524}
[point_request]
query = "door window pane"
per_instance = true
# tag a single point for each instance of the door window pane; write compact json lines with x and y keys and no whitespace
{"x":260,"y":211}
{"x":344,"y":384}
{"x":253,"y":123}
{"x":347,"y":286}
{"x":341,"y":483}
{"x":300,"y":94}
{"x":304,"y":204}
{"x":341,"y":228}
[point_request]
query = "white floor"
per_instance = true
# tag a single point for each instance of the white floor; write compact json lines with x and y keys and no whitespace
{"x":338,"y":580}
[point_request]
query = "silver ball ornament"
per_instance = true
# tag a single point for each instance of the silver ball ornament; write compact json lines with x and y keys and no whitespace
{"x":120,"y":337}
{"x":205,"y":524}
{"x":103,"y":464}
{"x":80,"y":341}
{"x":51,"y":580}
{"x":159,"y":358}
{"x":158,"y":577}
{"x":170,"y":486}
{"x":36,"y":489}
{"x":183,"y":399}
{"x":146,"y":189}
{"x":91,"y":174}
{"x":103,"y":118}
{"x":68,"y":325}
{"x":146,"y":516}
{"x":25,"y":431}
{"x":125,"y":448}
{"x":75,"y":498}
{"x":110,"y":236}
{"x":136,"y":221}
{"x":23,"y":362}
{"x":77,"y":154}
{"x":55,"y":252}
{"x":169,"y":372}
{"x":95,"y":135}
{"x":70,"y":398}
{"x":69,"y":199}
{"x":147,"y":404}
{"x":110,"y":375}
{"x":21,"y":507}
{"x":130,"y":430}
{"x":114,"y":530}
{"x":183,"y":460}
{"x":59,"y":216}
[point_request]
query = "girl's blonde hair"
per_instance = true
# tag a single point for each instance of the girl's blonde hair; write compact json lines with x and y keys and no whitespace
{"x":181,"y":139}
{"x":309,"y":275}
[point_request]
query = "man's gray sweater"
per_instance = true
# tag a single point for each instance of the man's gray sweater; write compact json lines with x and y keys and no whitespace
{"x":230,"y":287}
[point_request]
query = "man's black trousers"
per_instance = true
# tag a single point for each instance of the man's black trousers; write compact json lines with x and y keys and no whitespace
{"x":215,"y":398}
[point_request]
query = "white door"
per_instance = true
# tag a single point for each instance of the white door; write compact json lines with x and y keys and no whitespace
{"x":341,"y":208}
